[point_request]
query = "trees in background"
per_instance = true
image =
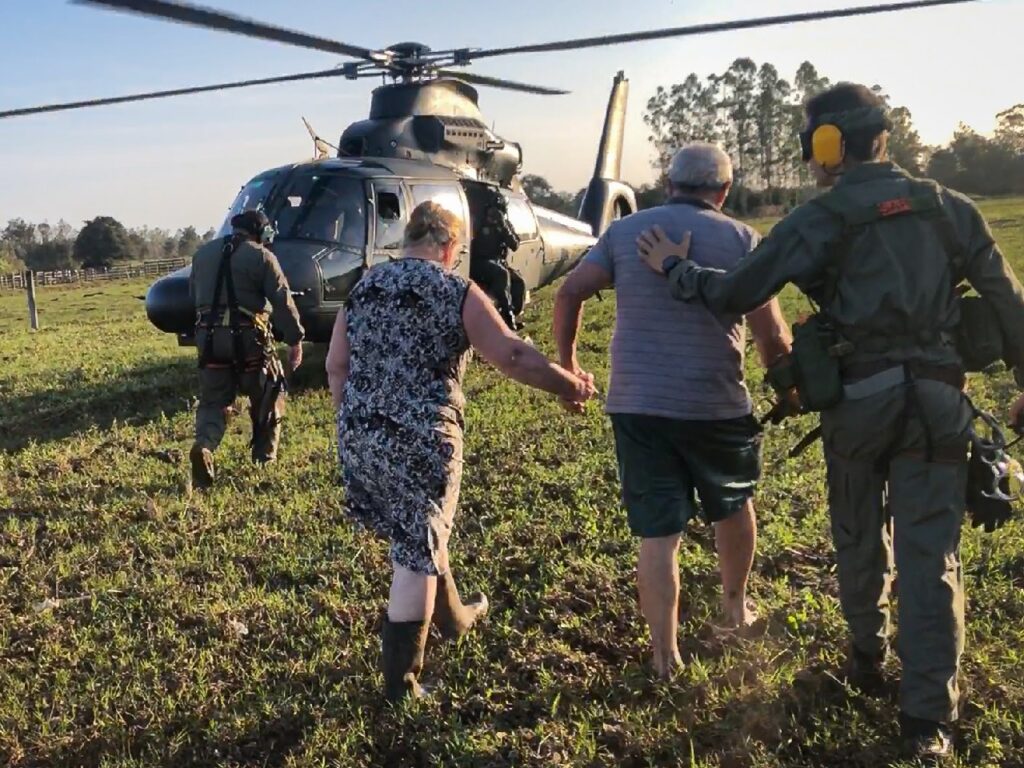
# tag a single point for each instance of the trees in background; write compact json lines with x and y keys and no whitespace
{"x":980,"y":165}
{"x":102,"y":242}
{"x":540,"y":192}
{"x":754,"y":114}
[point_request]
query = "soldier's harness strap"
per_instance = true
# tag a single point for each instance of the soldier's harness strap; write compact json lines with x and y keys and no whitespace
{"x":862,"y":381}
{"x":225,"y":284}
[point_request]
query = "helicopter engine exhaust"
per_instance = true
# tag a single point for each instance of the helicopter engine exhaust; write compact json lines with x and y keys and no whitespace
{"x":607,"y":197}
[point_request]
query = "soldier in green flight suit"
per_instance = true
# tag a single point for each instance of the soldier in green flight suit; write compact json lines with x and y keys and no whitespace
{"x":235,"y":284}
{"x":881,"y":254}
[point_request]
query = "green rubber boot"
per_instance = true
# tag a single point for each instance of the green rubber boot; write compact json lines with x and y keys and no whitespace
{"x":453,"y":617}
{"x":402,"y":648}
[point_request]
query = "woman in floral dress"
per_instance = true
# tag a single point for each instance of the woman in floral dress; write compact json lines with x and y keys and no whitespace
{"x":395,"y":366}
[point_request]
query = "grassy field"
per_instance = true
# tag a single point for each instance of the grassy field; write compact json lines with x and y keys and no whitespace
{"x":141,"y":625}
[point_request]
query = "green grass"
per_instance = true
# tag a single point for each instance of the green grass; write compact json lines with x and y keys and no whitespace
{"x":141,"y":625}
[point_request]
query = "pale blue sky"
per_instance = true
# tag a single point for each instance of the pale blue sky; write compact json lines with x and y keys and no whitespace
{"x":180,"y":161}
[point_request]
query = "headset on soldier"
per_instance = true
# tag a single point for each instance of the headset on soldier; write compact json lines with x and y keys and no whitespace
{"x":824,"y":139}
{"x":255,"y":223}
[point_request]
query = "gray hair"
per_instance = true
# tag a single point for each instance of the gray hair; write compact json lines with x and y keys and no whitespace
{"x":700,"y":166}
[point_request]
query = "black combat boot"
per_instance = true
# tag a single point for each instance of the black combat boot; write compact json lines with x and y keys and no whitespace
{"x":402,"y":647}
{"x":201,"y":459}
{"x":927,"y":741}
{"x":863,"y":671}
{"x":453,"y":617}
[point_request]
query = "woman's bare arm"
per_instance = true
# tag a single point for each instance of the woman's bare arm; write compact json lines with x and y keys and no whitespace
{"x":498,"y":345}
{"x":337,"y":358}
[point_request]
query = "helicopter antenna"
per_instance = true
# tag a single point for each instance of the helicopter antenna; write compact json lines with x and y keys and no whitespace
{"x":320,"y":146}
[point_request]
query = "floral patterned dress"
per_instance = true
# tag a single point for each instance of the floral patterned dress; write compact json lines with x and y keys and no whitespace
{"x":400,"y":423}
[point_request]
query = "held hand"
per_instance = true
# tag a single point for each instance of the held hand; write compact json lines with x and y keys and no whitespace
{"x":585,"y":390}
{"x":294,"y":357}
{"x":655,"y":246}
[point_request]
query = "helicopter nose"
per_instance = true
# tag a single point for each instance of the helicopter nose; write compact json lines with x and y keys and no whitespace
{"x":168,"y":304}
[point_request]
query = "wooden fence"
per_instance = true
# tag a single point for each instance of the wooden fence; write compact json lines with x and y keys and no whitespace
{"x":155,"y":268}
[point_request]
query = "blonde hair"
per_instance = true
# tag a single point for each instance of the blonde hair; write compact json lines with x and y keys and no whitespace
{"x":432,"y":224}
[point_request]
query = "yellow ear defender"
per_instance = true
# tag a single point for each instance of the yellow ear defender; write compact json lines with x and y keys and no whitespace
{"x":828,"y":146}
{"x":824,"y":142}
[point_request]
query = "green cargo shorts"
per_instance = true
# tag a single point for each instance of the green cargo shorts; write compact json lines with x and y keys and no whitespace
{"x":666,"y":465}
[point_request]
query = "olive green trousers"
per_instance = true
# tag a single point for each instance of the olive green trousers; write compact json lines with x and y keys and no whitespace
{"x":890,"y":506}
{"x":219,"y":386}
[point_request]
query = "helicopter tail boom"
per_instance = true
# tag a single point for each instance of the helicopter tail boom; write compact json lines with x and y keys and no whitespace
{"x":608,"y":197}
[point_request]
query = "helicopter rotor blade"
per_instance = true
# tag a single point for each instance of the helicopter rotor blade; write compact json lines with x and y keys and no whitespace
{"x":698,"y":29}
{"x":336,"y":72}
{"x":209,"y":18}
{"x":495,"y":82}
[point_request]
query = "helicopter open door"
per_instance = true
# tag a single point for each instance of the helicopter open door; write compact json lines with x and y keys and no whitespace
{"x":449,"y":195}
{"x":390,"y":215}
{"x":528,"y":258}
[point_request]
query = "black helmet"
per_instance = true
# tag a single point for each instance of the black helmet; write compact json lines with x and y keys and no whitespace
{"x":254,"y":223}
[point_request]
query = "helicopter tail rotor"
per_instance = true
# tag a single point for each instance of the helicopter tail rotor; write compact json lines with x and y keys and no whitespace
{"x":607,"y":198}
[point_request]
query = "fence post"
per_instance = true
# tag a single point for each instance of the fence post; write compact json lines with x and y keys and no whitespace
{"x":30,"y":289}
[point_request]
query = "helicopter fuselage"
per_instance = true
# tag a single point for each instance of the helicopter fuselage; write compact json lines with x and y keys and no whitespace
{"x":338,"y":217}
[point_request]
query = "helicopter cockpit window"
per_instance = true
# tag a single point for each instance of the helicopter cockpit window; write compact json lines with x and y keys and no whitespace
{"x":324,"y":207}
{"x":252,"y":195}
{"x":521,"y":218}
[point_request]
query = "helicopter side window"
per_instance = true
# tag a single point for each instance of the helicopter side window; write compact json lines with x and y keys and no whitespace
{"x":521,"y":218}
{"x":324,"y":207}
{"x":390,"y":221}
{"x":449,"y":197}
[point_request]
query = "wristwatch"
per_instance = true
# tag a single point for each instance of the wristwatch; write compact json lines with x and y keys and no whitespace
{"x":669,"y":264}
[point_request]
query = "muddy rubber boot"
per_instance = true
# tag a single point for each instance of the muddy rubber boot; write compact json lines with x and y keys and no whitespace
{"x":453,"y":617}
{"x":863,"y":672}
{"x":402,"y":647}
{"x":202,"y":467}
{"x":928,"y":742}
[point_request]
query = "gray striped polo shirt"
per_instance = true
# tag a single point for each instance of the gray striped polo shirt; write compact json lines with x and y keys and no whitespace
{"x":672,"y":358}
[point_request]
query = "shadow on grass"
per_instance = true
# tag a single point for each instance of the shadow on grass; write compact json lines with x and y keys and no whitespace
{"x":134,"y":396}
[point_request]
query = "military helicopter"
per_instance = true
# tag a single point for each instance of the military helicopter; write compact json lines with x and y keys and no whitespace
{"x":425,"y":139}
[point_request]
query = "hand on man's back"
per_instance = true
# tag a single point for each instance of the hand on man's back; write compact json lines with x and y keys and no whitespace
{"x":654,"y":246}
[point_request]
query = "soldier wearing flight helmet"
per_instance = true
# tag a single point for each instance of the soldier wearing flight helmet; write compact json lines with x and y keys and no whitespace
{"x":236,"y":283}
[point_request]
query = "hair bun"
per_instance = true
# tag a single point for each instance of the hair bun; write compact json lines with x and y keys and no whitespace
{"x":431,"y":223}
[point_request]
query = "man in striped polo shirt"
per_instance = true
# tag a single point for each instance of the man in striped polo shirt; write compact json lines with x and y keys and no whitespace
{"x":680,"y":410}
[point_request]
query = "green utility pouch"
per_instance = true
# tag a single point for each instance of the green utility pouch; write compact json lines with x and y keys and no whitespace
{"x":815,"y":363}
{"x":979,"y":338}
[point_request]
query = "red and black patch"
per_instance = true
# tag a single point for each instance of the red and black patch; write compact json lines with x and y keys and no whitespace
{"x":895,"y":206}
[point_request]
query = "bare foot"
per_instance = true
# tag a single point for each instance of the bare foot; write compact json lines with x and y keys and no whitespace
{"x":668,"y":665}
{"x":739,"y":619}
